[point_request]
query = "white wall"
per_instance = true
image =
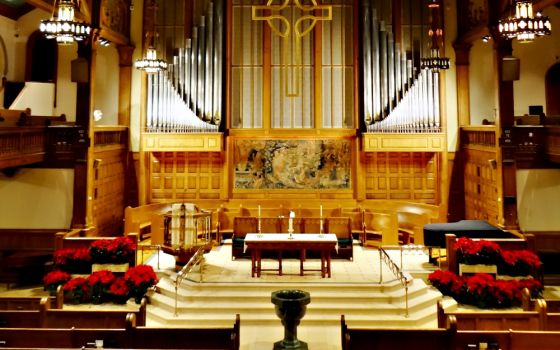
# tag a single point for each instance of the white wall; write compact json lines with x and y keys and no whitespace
{"x":65,"y":89}
{"x":538,"y":196}
{"x":536,"y":58}
{"x":37,"y":198}
{"x":482,"y":87}
{"x":106,"y":90}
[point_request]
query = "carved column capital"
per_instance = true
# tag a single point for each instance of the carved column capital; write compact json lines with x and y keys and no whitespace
{"x":462,"y":52}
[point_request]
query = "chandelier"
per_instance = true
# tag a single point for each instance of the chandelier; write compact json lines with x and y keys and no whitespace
{"x":435,"y":62}
{"x":150,"y":63}
{"x":524,"y":26}
{"x":63,"y":27}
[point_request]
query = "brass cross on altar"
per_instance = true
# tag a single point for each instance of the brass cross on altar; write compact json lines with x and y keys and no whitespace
{"x":285,"y":29}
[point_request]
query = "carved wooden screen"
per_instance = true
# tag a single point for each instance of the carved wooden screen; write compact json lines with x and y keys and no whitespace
{"x":262,"y":95}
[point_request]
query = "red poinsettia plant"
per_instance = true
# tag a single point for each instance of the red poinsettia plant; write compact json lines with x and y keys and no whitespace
{"x":73,"y":260}
{"x":519,"y":263}
{"x":483,"y":290}
{"x":119,"y":290}
{"x":477,"y":252}
{"x":139,"y":279}
{"x":112,"y":251}
{"x":99,"y":283}
{"x":77,"y":290}
{"x":54,"y":279}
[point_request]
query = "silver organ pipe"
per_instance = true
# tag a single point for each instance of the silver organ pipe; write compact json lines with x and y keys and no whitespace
{"x":188,"y":97}
{"x":397,"y":98}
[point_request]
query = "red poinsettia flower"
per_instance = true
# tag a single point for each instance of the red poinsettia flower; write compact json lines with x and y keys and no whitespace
{"x":119,"y":287}
{"x":118,"y":250}
{"x":101,"y":278}
{"x":56,"y":278}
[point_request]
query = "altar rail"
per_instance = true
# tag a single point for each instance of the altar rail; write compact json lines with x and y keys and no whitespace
{"x":129,"y":337}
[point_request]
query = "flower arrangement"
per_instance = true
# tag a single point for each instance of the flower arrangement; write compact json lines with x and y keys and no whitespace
{"x":139,"y":279}
{"x":99,"y":283}
{"x":112,"y":251}
{"x":54,"y":279}
{"x":482,"y":289}
{"x":73,"y":260}
{"x":77,"y":290}
{"x":477,"y":252}
{"x":119,"y":290}
{"x":519,"y":263}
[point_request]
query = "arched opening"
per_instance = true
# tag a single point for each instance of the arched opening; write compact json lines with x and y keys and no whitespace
{"x":552,"y":88}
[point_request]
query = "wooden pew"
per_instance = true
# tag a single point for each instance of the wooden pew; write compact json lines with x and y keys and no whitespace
{"x":131,"y":337}
{"x":22,"y":303}
{"x":526,"y":242}
{"x":23,"y":254}
{"x":20,"y":318}
{"x":520,"y":340}
{"x":417,"y":339}
{"x":194,"y":338}
{"x":492,"y":320}
{"x":92,"y":318}
{"x":139,"y":219}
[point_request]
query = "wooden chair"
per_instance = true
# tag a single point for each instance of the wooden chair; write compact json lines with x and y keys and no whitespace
{"x":342,"y":228}
{"x":224,"y":226}
{"x":297,"y":224}
{"x":312,"y":225}
{"x":241,"y":226}
{"x":357,"y":217}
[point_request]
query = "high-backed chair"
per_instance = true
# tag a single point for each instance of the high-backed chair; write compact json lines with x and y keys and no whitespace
{"x":270,"y":225}
{"x":224,"y":226}
{"x":342,"y":228}
{"x":357,"y":217}
{"x":241,"y":226}
{"x":313,"y":225}
{"x":297,"y":224}
{"x":377,"y":225}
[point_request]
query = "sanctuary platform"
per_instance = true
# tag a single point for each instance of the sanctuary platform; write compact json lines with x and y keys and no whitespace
{"x":367,"y":294}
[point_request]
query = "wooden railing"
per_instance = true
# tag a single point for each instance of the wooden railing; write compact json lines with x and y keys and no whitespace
{"x":110,"y":136}
{"x":483,"y":136}
{"x":21,"y":146}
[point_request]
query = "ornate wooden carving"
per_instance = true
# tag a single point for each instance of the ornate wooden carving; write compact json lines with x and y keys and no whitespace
{"x":115,"y":15}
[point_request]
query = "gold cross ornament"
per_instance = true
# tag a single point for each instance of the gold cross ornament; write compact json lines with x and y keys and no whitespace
{"x":271,"y":12}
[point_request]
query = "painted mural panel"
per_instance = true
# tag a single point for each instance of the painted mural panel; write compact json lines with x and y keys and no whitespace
{"x":292,"y":164}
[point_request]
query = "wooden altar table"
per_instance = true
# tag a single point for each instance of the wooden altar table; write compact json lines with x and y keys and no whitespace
{"x":279,"y":242}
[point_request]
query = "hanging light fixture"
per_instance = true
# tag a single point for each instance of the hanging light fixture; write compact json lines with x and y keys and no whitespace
{"x":434,"y":61}
{"x":523,"y":26}
{"x":150,"y":63}
{"x":64,"y":28}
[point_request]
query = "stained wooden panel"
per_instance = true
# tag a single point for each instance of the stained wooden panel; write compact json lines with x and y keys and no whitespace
{"x":481,"y":185}
{"x":402,"y":176}
{"x":185,"y":175}
{"x":108,"y":191}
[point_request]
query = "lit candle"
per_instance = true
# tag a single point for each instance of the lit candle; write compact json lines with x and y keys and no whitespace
{"x":321,"y":211}
{"x":259,"y":211}
{"x":291,"y":221}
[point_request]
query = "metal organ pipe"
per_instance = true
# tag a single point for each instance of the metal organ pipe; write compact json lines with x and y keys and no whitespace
{"x":396,"y":97}
{"x":188,"y":96}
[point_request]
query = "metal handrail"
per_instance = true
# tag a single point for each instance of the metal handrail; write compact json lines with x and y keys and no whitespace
{"x":197,"y":258}
{"x":143,"y":247}
{"x":384,"y":257}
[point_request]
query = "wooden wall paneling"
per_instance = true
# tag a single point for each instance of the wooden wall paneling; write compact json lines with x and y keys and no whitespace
{"x":481,"y":185}
{"x":109,"y":174}
{"x":185,"y":176}
{"x":409,"y":176}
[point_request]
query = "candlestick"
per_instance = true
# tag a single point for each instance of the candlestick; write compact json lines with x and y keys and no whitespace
{"x":291,"y":224}
{"x":259,"y":211}
{"x":321,"y":211}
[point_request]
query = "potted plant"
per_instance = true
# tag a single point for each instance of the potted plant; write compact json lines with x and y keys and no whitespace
{"x":139,"y":279}
{"x":112,"y":251}
{"x":119,"y":290}
{"x":519,"y":263}
{"x":54,"y":279}
{"x":73,"y":261}
{"x":99,"y":283}
{"x":76,"y":290}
